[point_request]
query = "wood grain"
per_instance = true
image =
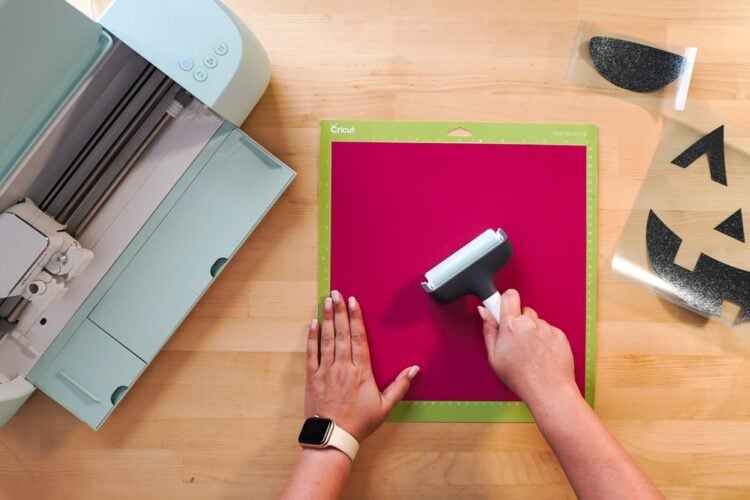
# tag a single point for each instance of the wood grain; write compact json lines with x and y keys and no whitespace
{"x":216,"y":416}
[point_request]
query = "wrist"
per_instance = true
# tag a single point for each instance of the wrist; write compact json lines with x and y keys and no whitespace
{"x":330,"y":458}
{"x":558,"y":396}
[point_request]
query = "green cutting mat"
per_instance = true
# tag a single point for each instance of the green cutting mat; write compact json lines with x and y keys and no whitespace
{"x":460,"y":132}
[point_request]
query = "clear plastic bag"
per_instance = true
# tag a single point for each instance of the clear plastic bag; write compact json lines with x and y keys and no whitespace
{"x":649,"y":73}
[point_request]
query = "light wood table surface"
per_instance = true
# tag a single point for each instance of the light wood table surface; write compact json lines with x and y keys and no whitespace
{"x":217,"y":414}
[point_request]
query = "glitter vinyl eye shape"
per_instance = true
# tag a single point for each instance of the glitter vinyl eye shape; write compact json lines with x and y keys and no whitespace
{"x":634,"y":66}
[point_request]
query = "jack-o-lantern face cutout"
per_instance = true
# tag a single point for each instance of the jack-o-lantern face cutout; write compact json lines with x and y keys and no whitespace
{"x":711,"y":282}
{"x":733,"y":226}
{"x":711,"y":145}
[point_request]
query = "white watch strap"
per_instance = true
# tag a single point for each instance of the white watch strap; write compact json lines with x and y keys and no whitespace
{"x":343,"y":441}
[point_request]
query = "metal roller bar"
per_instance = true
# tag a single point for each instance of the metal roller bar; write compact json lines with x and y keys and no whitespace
{"x":136,"y":133}
{"x":102,"y":143}
{"x":78,"y":122}
{"x":84,"y":145}
{"x":86,"y":216}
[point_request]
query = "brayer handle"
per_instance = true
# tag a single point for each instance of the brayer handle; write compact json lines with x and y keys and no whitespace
{"x":492,"y":303}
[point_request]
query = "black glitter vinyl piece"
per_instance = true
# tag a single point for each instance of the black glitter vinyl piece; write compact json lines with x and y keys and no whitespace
{"x":733,"y":226}
{"x":711,"y":145}
{"x":634,"y":66}
{"x":703,"y":289}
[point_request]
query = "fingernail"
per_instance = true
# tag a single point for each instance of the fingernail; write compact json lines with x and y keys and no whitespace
{"x":328,"y":304}
{"x":336,"y":296}
{"x":352,"y":303}
{"x":482,"y":313}
{"x":412,"y":372}
{"x":314,"y":324}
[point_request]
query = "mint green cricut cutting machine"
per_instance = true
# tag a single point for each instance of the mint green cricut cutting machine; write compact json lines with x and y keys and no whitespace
{"x":125,"y":185}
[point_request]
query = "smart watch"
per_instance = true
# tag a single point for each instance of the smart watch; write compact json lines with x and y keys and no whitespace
{"x":319,"y":432}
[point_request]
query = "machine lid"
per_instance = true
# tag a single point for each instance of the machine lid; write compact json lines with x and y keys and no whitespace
{"x":46,"y":48}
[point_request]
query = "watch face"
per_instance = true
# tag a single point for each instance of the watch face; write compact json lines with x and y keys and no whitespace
{"x":315,"y":431}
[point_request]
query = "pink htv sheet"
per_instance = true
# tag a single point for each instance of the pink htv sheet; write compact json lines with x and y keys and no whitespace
{"x":397,"y":209}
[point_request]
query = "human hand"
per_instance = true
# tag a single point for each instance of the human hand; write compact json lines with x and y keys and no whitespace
{"x":340,"y":384}
{"x":529,"y":355}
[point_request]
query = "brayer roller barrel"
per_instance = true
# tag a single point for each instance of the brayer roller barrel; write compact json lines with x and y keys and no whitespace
{"x":471,"y":270}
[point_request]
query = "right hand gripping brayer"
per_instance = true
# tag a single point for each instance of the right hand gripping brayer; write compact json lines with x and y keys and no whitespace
{"x":471,"y":270}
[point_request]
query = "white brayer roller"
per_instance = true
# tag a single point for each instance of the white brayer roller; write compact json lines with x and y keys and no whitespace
{"x":471,"y":270}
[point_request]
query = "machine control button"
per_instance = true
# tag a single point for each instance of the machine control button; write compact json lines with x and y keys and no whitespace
{"x":200,"y":74}
{"x":186,"y":64}
{"x":221,"y":48}
{"x":210,"y":61}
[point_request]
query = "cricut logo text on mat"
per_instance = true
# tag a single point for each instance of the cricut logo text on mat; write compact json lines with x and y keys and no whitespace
{"x":336,"y":129}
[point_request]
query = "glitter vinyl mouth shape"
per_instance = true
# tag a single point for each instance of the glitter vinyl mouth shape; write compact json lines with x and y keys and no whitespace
{"x":634,"y":66}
